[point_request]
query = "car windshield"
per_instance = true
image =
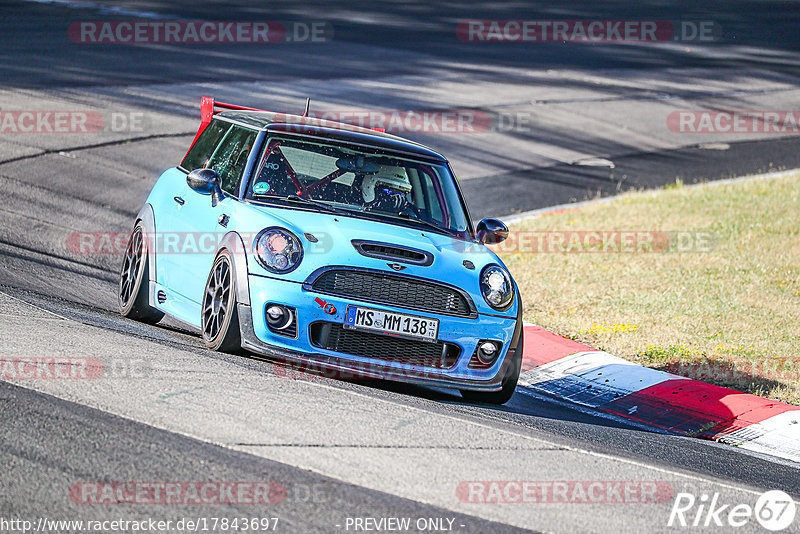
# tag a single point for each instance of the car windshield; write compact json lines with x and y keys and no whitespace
{"x":361,"y":181}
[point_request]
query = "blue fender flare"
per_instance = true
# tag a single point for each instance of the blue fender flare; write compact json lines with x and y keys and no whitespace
{"x":234,"y":244}
{"x":147,"y":218}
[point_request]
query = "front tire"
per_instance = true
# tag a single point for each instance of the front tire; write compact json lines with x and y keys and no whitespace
{"x":509,"y":382}
{"x":219,"y":316}
{"x":134,"y":281}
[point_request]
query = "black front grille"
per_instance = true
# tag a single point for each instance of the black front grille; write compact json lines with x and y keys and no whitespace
{"x":393,"y":290}
{"x":333,"y":336}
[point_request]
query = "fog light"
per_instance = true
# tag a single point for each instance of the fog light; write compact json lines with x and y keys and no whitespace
{"x":487,"y":351}
{"x":279,"y":317}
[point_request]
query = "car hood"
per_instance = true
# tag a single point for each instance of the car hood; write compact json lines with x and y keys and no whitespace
{"x":335,"y":233}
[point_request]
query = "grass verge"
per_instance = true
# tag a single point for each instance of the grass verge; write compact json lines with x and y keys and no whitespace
{"x":713,"y":292}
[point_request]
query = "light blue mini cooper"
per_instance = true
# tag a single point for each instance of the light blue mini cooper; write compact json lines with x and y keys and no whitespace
{"x":327,"y":246}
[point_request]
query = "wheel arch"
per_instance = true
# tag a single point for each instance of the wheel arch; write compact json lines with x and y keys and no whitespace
{"x":515,"y":347}
{"x":147,"y":218}
{"x":234,"y":244}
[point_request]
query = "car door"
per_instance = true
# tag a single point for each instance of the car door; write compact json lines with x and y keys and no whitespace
{"x":169,"y":263}
{"x":198,"y":224}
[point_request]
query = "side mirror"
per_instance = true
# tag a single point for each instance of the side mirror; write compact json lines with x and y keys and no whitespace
{"x":491,"y":231}
{"x":206,"y":182}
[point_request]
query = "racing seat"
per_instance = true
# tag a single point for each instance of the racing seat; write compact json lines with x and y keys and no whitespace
{"x":274,"y":173}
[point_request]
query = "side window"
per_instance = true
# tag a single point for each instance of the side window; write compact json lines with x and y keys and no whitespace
{"x":434,"y":209}
{"x":231,"y":157}
{"x":201,"y":151}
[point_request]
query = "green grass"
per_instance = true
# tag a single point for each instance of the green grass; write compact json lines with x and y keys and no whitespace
{"x":725,"y":310}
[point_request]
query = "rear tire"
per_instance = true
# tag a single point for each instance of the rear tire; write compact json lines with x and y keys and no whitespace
{"x":509,"y":382}
{"x":219,"y":316}
{"x":134,"y":281}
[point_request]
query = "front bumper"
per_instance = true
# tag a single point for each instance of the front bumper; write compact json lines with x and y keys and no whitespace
{"x":464,"y":332}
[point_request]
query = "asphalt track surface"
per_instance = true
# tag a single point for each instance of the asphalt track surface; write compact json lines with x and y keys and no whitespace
{"x":345,"y":450}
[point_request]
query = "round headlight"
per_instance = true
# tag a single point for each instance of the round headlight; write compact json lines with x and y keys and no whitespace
{"x":497,"y":287}
{"x":278,"y":250}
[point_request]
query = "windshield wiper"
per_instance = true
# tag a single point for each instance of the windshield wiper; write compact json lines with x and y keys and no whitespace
{"x":310,"y":202}
{"x":406,"y":215}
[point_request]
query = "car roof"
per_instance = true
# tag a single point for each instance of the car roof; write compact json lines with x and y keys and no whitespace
{"x":283,"y":123}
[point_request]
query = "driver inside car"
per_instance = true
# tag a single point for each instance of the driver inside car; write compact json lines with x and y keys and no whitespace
{"x":387,"y":190}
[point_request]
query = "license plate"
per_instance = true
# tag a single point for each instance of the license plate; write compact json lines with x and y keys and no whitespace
{"x":398,"y":324}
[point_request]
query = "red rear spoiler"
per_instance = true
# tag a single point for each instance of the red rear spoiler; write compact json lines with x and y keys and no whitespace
{"x":208,"y":107}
